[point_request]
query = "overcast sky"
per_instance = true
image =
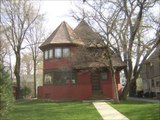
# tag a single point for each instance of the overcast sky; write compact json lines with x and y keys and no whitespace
{"x":57,"y":11}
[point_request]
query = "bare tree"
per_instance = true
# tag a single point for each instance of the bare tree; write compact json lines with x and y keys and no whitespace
{"x":27,"y":63}
{"x":126,"y":26}
{"x":18,"y":15}
{"x":95,"y":54}
{"x":3,"y":45}
{"x":5,"y":53}
{"x":35,"y":37}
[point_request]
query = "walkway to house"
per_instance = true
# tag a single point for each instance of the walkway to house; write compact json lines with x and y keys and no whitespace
{"x":107,"y":112}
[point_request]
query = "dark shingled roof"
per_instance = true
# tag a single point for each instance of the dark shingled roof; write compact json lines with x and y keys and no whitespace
{"x":64,"y":34}
{"x":101,"y":63}
{"x":89,"y":37}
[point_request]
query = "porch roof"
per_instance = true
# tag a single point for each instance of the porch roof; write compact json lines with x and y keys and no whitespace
{"x":101,"y":63}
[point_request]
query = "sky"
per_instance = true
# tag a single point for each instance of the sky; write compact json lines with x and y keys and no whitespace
{"x":57,"y":11}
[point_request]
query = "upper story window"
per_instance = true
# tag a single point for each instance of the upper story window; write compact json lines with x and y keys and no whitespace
{"x":66,"y":52}
{"x":57,"y":52}
{"x":46,"y":54}
{"x":50,"y":53}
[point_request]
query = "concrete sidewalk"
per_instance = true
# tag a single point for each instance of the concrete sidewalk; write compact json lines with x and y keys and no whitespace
{"x":143,"y":99}
{"x":107,"y":112}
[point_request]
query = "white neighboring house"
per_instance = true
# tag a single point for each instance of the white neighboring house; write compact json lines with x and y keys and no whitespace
{"x":139,"y":84}
{"x":150,"y":73}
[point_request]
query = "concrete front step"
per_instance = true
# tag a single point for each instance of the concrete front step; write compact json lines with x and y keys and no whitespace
{"x":91,"y":101}
{"x":98,"y":95}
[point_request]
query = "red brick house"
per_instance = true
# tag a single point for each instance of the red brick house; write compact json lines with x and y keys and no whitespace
{"x":67,"y":74}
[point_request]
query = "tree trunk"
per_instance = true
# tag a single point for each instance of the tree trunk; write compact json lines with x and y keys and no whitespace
{"x":35,"y":84}
{"x":115,"y":93}
{"x":10,"y":66}
{"x":17,"y":74}
{"x":123,"y":95}
{"x":132,"y":88}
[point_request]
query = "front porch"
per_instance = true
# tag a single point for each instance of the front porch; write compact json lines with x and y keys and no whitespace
{"x":75,"y":92}
{"x":88,"y":85}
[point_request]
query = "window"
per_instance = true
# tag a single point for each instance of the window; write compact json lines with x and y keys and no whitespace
{"x":51,"y":53}
{"x":58,"y":52}
{"x":61,"y":52}
{"x":66,"y":52}
{"x":59,"y":77}
{"x":152,"y":83}
{"x":46,"y":54}
{"x":158,"y":83}
{"x":47,"y":78}
{"x":103,"y":75}
{"x":62,"y":77}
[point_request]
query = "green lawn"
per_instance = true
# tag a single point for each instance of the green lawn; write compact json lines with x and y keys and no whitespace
{"x":45,"y":110}
{"x":138,"y":110}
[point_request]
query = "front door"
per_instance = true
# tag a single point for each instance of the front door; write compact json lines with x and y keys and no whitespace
{"x":95,"y":81}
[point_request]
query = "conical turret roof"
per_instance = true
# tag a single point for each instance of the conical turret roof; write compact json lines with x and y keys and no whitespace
{"x":89,"y":37}
{"x":64,"y":34}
